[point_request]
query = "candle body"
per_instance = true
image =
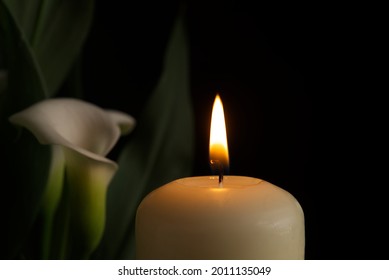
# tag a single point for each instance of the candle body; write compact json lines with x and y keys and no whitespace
{"x":194,"y":218}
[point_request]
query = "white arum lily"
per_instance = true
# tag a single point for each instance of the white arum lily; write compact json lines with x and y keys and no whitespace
{"x":81,"y":135}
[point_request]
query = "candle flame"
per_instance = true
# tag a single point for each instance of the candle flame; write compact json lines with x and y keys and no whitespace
{"x":218,"y":148}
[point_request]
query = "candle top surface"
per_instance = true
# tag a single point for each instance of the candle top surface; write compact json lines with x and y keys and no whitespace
{"x":213,"y":181}
{"x":236,"y":194}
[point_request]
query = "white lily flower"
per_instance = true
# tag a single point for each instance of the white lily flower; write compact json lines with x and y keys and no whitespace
{"x":81,"y":135}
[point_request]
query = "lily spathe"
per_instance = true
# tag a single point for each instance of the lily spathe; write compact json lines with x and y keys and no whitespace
{"x":81,"y":135}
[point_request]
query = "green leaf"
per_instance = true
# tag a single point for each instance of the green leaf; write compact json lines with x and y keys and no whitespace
{"x":160,"y":149}
{"x":24,"y":84}
{"x":56,"y":31}
{"x":26,"y":161}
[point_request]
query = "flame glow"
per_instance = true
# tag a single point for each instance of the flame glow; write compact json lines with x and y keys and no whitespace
{"x":218,"y":147}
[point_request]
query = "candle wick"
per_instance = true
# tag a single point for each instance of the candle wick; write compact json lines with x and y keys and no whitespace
{"x":217,"y":166}
{"x":220,"y":177}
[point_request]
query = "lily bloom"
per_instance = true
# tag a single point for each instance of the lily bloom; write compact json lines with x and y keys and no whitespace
{"x":81,"y":135}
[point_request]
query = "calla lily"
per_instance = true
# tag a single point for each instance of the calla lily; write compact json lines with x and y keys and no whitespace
{"x":81,"y":135}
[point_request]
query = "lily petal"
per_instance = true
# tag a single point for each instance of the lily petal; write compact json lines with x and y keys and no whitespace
{"x":73,"y":122}
{"x":88,"y":179}
{"x":126,"y":123}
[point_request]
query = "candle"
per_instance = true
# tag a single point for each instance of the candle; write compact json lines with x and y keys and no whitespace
{"x":219,"y":217}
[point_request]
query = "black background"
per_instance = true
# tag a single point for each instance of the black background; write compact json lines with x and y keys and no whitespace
{"x":298,"y":90}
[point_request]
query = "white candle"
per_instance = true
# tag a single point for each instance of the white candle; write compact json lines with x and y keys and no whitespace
{"x":194,"y":218}
{"x":200,"y":218}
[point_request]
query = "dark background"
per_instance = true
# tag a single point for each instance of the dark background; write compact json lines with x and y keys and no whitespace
{"x":297,"y":86}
